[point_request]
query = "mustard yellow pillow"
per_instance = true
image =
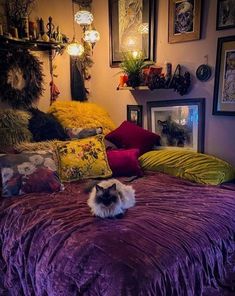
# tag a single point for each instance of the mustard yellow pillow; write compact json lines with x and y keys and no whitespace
{"x":73,"y":114}
{"x":189,"y":165}
{"x":85,"y":158}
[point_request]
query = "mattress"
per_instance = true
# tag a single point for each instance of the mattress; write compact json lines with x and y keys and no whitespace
{"x":178,"y":240}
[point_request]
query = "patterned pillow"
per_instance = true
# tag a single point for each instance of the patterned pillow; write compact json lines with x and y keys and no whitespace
{"x":80,"y":159}
{"x":81,"y":133}
{"x":28,"y":172}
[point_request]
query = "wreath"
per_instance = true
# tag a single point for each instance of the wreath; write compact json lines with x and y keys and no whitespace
{"x":21,"y":78}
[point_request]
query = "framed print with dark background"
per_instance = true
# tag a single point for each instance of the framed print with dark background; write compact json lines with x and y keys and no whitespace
{"x":135,"y":114}
{"x":132,"y":28}
{"x":180,"y":123}
{"x":224,"y":88}
{"x":184,"y":20}
{"x":225,"y":18}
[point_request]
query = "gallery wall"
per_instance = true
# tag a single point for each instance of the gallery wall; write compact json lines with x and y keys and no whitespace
{"x":219,"y":130}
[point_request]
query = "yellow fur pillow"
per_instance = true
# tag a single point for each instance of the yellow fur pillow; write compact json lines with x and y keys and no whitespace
{"x":73,"y":114}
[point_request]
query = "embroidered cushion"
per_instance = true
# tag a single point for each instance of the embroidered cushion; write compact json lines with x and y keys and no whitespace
{"x":28,"y":172}
{"x":129,"y":135}
{"x":85,"y":158}
{"x":189,"y":165}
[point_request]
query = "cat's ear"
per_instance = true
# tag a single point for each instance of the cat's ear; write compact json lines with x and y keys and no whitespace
{"x":99,"y":188}
{"x":113,"y":187}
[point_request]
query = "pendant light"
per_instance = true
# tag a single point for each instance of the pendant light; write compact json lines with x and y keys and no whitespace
{"x":74,"y":48}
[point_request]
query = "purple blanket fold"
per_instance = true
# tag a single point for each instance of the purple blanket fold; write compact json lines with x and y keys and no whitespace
{"x":176,"y":241}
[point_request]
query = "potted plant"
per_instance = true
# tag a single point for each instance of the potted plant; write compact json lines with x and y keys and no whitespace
{"x":133,"y":63}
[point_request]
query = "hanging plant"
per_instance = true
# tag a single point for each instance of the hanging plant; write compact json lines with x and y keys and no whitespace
{"x":21,"y":78}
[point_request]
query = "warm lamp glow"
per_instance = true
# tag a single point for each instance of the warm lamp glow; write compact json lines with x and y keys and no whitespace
{"x":83,"y":17}
{"x":92,"y":36}
{"x":75,"y":49}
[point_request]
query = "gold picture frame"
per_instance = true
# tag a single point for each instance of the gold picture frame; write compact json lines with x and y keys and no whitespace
{"x":184,"y":20}
{"x":224,"y":87}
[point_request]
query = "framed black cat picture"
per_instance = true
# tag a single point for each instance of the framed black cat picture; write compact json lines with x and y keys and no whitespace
{"x":180,"y":123}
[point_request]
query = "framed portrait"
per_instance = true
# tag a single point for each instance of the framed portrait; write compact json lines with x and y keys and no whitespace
{"x":134,"y":114}
{"x":225,"y":14}
{"x":180,"y":123}
{"x":132,"y":28}
{"x":224,"y":88}
{"x":184,"y":20}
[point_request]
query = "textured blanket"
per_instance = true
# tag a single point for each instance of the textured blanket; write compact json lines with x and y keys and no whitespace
{"x":176,"y":241}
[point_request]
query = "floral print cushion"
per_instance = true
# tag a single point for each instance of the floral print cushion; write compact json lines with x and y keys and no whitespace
{"x":84,"y":158}
{"x":29,"y":172}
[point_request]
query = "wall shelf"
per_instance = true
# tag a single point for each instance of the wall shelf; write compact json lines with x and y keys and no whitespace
{"x":7,"y":42}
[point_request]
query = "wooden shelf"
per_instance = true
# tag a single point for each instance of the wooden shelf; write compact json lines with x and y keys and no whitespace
{"x":142,"y":87}
{"x":7,"y":42}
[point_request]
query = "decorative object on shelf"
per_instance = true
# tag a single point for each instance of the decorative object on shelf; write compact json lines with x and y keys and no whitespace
{"x":135,"y":114}
{"x":180,"y":123}
{"x":225,"y":18}
{"x":203,"y":72}
{"x":132,"y":28}
{"x":50,"y":28}
{"x":21,"y":78}
{"x":224,"y":88}
{"x":180,"y":83}
{"x":17,"y":12}
{"x":133,"y":63}
{"x":184,"y":20}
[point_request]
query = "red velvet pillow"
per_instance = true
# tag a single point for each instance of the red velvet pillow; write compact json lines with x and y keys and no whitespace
{"x":124,"y":162}
{"x":130,"y":135}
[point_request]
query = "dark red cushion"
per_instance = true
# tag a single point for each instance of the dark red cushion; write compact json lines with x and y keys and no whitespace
{"x":124,"y":162}
{"x":130,"y":135}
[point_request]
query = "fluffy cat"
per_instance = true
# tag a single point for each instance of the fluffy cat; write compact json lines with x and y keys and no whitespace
{"x":111,"y":198}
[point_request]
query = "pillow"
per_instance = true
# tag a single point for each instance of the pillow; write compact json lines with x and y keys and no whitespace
{"x":28,"y":172}
{"x":81,"y":114}
{"x":189,"y":165}
{"x":124,"y":162}
{"x":45,"y":126}
{"x":85,"y":158}
{"x":32,"y":147}
{"x":129,"y":135}
{"x":81,"y":133}
{"x":13,"y":128}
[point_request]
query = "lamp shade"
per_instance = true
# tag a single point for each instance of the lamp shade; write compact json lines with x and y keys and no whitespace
{"x":83,"y":17}
{"x":91,"y":36}
{"x":75,"y":49}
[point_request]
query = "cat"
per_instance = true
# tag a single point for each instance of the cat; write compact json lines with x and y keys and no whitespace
{"x":111,"y":198}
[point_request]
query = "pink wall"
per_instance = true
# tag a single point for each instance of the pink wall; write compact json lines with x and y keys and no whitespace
{"x":219,"y":130}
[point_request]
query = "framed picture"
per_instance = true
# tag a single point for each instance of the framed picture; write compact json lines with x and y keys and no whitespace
{"x":184,"y":20}
{"x":134,"y":114}
{"x":132,"y":28}
{"x":225,"y":14}
{"x":180,"y":123}
{"x":224,"y":88}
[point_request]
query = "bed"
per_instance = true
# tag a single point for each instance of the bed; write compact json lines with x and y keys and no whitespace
{"x":178,"y":240}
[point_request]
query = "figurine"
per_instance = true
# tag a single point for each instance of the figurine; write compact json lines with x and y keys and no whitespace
{"x":50,"y":26}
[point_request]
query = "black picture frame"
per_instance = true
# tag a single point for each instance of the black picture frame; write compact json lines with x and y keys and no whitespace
{"x":224,"y":94}
{"x":225,"y":18}
{"x":135,"y":114}
{"x":118,"y":23}
{"x":180,"y":123}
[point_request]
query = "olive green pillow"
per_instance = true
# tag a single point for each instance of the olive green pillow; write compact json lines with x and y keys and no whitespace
{"x":189,"y":165}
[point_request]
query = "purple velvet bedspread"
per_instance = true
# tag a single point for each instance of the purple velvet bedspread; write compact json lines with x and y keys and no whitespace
{"x":176,"y":241}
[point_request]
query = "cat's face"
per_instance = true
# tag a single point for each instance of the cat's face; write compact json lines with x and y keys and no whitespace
{"x":106,"y":196}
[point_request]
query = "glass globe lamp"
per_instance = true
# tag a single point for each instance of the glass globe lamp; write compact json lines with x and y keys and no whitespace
{"x":83,"y":17}
{"x":91,"y":36}
{"x":75,"y":49}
